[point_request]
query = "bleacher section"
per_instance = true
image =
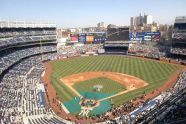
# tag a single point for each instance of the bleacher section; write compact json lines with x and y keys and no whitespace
{"x":23,"y":47}
{"x":179,"y":39}
{"x":23,"y":33}
{"x":116,"y":47}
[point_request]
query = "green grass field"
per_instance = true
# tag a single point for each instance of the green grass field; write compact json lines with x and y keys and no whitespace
{"x":109,"y":86}
{"x":154,"y":73}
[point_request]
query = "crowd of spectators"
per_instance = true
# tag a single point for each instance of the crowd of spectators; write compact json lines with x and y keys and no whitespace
{"x":75,"y":50}
{"x":28,"y":39}
{"x":10,"y":37}
{"x":20,"y":78}
{"x":13,"y":33}
{"x":144,"y":50}
{"x":176,"y":113}
{"x":175,"y":110}
{"x":168,"y":101}
{"x":10,"y":59}
{"x":19,"y":101}
{"x":179,"y":51}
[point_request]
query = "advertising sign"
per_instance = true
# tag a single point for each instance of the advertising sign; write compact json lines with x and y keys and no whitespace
{"x":99,"y":37}
{"x":136,"y":36}
{"x":89,"y":38}
{"x":82,"y":38}
{"x":152,"y":36}
{"x":145,"y":36}
{"x":74,"y":38}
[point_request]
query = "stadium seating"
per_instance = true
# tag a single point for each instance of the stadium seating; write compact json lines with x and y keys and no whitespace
{"x":10,"y":59}
{"x":144,"y":50}
{"x":19,"y":40}
{"x":20,"y":76}
{"x":70,"y":51}
{"x":19,"y":91}
{"x":179,"y":51}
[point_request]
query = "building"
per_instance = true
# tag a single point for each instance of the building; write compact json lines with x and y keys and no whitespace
{"x":143,"y":23}
{"x":101,"y":25}
{"x":148,"y":19}
{"x":132,"y":21}
{"x":111,"y":26}
{"x":141,"y":20}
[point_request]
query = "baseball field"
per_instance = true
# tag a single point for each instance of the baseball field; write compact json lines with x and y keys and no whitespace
{"x":118,"y":79}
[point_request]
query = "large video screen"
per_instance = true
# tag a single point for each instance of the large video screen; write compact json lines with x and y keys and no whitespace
{"x":118,"y":34}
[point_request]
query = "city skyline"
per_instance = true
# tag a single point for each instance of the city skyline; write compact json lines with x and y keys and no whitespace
{"x":73,"y":14}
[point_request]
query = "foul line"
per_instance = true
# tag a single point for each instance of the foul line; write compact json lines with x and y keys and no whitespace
{"x":77,"y":93}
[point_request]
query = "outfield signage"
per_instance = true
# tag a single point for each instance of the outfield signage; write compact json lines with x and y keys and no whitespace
{"x":145,"y":36}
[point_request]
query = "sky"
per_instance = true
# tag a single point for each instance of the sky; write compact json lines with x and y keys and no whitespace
{"x":86,"y":13}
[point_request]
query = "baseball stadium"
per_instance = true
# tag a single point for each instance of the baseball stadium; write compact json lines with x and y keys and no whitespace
{"x":92,"y":75}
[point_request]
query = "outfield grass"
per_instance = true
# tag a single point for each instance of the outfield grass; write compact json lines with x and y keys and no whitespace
{"x":109,"y":86}
{"x":154,"y":73}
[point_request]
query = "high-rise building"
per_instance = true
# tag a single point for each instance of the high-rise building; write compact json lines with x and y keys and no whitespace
{"x":101,"y":25}
{"x":132,"y":21}
{"x":149,"y":19}
{"x":142,"y":23}
{"x":141,"y":20}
